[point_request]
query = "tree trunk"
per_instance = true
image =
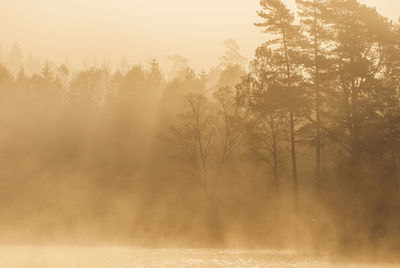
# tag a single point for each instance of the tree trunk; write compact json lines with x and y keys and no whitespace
{"x":294,"y":162}
{"x":274,"y":153}
{"x":318,"y":106}
{"x":318,"y":146}
{"x":394,"y":164}
{"x":291,"y":114}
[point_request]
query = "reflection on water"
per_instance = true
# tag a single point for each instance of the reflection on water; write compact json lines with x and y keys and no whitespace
{"x":57,"y":257}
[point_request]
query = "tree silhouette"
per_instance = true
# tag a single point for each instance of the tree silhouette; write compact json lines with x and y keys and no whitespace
{"x":279,"y":22}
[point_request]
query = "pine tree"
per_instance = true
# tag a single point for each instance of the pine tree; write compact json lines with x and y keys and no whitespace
{"x":313,"y":15}
{"x":359,"y":43}
{"x":279,"y":21}
{"x":15,"y":59}
{"x":47,"y":73}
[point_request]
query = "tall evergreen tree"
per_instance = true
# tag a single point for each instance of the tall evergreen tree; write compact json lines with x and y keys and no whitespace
{"x":316,"y":48}
{"x":279,"y":21}
{"x":358,"y":52}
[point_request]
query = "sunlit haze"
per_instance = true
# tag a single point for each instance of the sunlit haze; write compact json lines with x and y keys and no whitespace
{"x":97,"y":31}
{"x":199,"y":133}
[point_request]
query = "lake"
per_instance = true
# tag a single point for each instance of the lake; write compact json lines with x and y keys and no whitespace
{"x":102,"y":257}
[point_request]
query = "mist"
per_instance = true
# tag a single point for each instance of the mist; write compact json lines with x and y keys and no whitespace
{"x":87,"y":32}
{"x":190,"y":134}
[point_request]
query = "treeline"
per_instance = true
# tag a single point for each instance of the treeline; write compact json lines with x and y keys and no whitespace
{"x":318,"y":113}
{"x":83,"y":153}
{"x":300,"y":149}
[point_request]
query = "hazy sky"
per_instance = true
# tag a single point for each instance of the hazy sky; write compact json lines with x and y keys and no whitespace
{"x":97,"y":29}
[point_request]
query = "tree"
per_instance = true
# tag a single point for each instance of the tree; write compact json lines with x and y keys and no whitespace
{"x":173,"y":95}
{"x":46,"y":72}
{"x":278,"y":21}
{"x":359,"y":41}
{"x":230,"y":76}
{"x":203,"y":146}
{"x":316,"y":50}
{"x":155,"y":76}
{"x":89,"y":87}
{"x":1,"y":55}
{"x":228,"y":123}
{"x":204,"y":139}
{"x":232,"y":55}
{"x":15,"y":59}
{"x":179,"y":65}
{"x":266,"y":118}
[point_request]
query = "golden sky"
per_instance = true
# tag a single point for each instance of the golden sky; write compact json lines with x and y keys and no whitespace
{"x":107,"y":29}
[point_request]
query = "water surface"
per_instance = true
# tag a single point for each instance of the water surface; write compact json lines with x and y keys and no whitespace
{"x":95,"y":257}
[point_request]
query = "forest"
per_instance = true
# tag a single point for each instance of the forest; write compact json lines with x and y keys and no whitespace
{"x":299,"y":147}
